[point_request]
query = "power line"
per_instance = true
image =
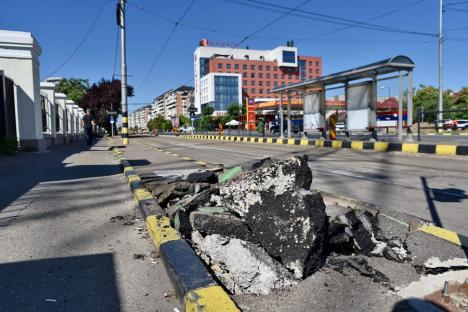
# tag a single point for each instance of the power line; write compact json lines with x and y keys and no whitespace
{"x":83,"y":40}
{"x":158,"y":56}
{"x":367,"y":20}
{"x":328,"y":18}
{"x":456,"y":3}
{"x":457,"y":10}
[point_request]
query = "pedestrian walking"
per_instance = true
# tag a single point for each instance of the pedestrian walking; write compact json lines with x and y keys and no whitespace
{"x":261,"y":127}
{"x":88,"y":123}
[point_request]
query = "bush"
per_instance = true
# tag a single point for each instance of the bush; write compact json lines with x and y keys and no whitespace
{"x":9,"y":145}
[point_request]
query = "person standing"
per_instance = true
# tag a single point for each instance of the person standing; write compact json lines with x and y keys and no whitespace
{"x":88,"y":123}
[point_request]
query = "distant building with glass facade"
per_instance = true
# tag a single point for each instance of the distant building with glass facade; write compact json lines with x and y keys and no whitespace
{"x":225,"y":75}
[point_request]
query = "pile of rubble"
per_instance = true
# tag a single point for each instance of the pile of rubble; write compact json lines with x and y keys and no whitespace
{"x":261,"y":228}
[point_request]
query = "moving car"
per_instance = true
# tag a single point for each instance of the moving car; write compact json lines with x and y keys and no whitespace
{"x":449,"y":124}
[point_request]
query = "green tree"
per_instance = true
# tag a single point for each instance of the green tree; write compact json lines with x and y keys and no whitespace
{"x":157,"y":122}
{"x":460,"y":102}
{"x":427,"y":98}
{"x":74,"y":88}
{"x":184,"y":121}
{"x":233,"y":111}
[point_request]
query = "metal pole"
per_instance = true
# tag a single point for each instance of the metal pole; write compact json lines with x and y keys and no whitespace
{"x":419,"y":123}
{"x":289,"y":115}
{"x":441,"y":88}
{"x":123,"y":75}
{"x":400,"y":107}
{"x":281,"y":116}
{"x":409,"y":109}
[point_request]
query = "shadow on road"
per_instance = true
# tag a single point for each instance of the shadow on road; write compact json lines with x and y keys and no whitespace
{"x":79,"y":283}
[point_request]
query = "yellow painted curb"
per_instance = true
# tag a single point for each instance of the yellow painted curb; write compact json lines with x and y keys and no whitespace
{"x":132,"y":178}
{"x":279,"y":141}
{"x":127,"y":169}
{"x":357,"y":145}
{"x":446,"y":150}
{"x":201,"y":163}
{"x":337,"y":144}
{"x":174,"y":154}
{"x":186,"y":158}
{"x":291,"y":141}
{"x":209,"y":299}
{"x":160,"y":230}
{"x":319,"y":143}
{"x":444,"y":234}
{"x":269,"y":140}
{"x":380,"y":146}
{"x":304,"y":142}
{"x":141,"y":194}
{"x":409,"y":147}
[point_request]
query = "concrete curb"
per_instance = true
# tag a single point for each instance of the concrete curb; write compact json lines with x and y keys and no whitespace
{"x":195,"y":286}
{"x":410,"y":148}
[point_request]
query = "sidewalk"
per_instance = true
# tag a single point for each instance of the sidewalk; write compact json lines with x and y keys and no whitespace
{"x":71,"y":238}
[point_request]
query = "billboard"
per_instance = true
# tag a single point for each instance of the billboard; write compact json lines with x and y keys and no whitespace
{"x":314,"y":111}
{"x":360,"y":107}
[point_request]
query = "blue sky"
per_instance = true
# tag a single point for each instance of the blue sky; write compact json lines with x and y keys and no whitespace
{"x":59,"y":25}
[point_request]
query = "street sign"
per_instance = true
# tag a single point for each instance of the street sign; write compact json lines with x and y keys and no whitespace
{"x":193,"y":118}
{"x":112,"y":121}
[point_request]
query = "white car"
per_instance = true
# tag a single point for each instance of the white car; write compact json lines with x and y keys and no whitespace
{"x":462,"y":124}
{"x":340,"y":127}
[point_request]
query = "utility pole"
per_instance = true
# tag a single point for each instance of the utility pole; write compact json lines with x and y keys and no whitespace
{"x":441,"y":88}
{"x":123,"y":78}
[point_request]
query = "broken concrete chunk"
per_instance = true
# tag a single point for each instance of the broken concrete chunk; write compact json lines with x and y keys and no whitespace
{"x":360,"y":264}
{"x":259,"y":163}
{"x":244,"y":268}
{"x":202,"y":177}
{"x":288,"y":221}
{"x":211,"y":221}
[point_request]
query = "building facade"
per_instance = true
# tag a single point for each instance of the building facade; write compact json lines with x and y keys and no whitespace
{"x":173,"y":103}
{"x":225,"y":75}
{"x":138,"y":120}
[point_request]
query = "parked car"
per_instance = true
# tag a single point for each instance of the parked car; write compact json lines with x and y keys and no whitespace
{"x":340,"y":127}
{"x":462,"y":124}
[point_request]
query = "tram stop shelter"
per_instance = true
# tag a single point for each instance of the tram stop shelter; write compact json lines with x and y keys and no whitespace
{"x":360,"y":85}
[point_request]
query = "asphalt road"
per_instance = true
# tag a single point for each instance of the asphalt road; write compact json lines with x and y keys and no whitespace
{"x":431,"y":187}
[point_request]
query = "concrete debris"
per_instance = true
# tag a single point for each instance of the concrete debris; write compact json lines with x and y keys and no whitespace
{"x":250,"y":271}
{"x":286,"y":219}
{"x":202,"y":177}
{"x":435,"y":263}
{"x":359,"y":264}
{"x":217,"y":220}
{"x":259,"y":163}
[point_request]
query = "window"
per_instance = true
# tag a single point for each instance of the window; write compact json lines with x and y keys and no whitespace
{"x":252,"y":67}
{"x":311,"y":77}
{"x":228,"y":66}
{"x":289,"y":76}
{"x":268,"y":67}
{"x":236,"y":66}
{"x":45,"y":114}
{"x":317,"y":71}
{"x":244,"y":82}
{"x":244,"y":67}
{"x":260,"y":83}
{"x":317,"y":63}
{"x":276,"y":83}
{"x":260,"y":91}
{"x":260,"y":67}
{"x":260,"y":75}
{"x":268,"y":91}
{"x":275,"y":76}
{"x":283,"y":83}
{"x":252,"y":83}
{"x":252,"y":75}
{"x":268,"y":83}
{"x":282,"y":76}
{"x":244,"y":75}
{"x":220,"y":66}
{"x":310,"y":70}
{"x":289,"y":57}
{"x":268,"y":75}
{"x":226,"y":92}
{"x":275,"y":68}
{"x":252,"y":90}
{"x":310,"y":63}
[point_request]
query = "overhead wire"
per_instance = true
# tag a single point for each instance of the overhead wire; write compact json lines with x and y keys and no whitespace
{"x":83,"y":40}
{"x":166,"y":42}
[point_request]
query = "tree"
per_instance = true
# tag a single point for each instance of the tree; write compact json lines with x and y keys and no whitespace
{"x":160,"y":123}
{"x":104,"y":96}
{"x":74,"y":88}
{"x":460,"y":102}
{"x":184,"y":121}
{"x":427,"y":98}
{"x":207,"y":110}
{"x":233,"y":111}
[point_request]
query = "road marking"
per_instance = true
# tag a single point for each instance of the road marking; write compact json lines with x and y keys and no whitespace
{"x":444,"y":234}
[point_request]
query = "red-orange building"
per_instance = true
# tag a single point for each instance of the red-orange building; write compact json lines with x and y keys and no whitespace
{"x":224,"y":75}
